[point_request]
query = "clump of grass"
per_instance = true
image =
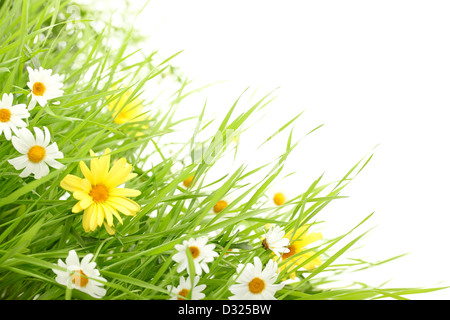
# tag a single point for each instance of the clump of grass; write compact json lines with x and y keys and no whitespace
{"x":38,"y":227}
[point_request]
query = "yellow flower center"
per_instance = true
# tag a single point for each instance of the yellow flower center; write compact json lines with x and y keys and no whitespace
{"x":36,"y":154}
{"x":256,"y":285}
{"x":5,"y":115}
{"x":188,"y":181}
{"x":291,"y":252}
{"x":99,"y":193}
{"x":194,"y":251}
{"x":79,"y":278}
{"x":183,"y":293}
{"x":222,"y":204}
{"x":279,"y":199}
{"x":38,"y":89}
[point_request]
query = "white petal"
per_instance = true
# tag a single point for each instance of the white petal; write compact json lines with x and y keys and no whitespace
{"x":20,"y":145}
{"x":238,"y":289}
{"x":60,"y":273}
{"x":32,"y":103}
{"x":27,"y":137}
{"x":18,"y":108}
{"x":177,"y":257}
{"x":52,"y":149}
{"x":258,"y":264}
{"x":97,"y":292}
{"x":266,"y":295}
{"x":19,"y":163}
{"x":247,"y":275}
{"x":86,"y":260}
{"x":72,"y":259}
{"x":202,"y":241}
{"x":30,"y":72}
{"x":37,"y":170}
{"x":179,"y":247}
{"x":2,"y":103}
{"x":183,"y":282}
{"x":7,"y":132}
{"x":198,"y":268}
{"x":17,"y":122}
{"x":196,"y":280}
{"x":53,"y":163}
{"x":7,"y":100}
{"x":26,"y":172}
{"x":41,"y":100}
{"x":63,"y":279}
{"x":182,"y":266}
{"x":43,"y":169}
{"x":47,"y":137}
{"x":39,"y":137}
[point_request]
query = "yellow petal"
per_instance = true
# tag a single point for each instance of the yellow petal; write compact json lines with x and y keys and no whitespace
{"x":124,"y":192}
{"x":301,"y":238}
{"x":87,"y":215}
{"x":87,"y":173}
{"x":104,"y":164}
{"x":289,"y":269}
{"x":108,"y":229}
{"x":120,"y":207}
{"x":80,"y":195}
{"x":95,"y":167}
{"x":110,"y":210}
{"x":93,"y":220}
{"x":100,"y":166}
{"x":87,"y":186}
{"x":118,"y":173}
{"x":72,"y":183}
{"x":128,"y":203}
{"x":86,"y":202}
{"x":100,"y":215}
{"x":130,"y":176}
{"x":77,"y":207}
{"x":108,"y":214}
{"x":298,"y":233}
{"x":311,"y":264}
{"x":309,"y":238}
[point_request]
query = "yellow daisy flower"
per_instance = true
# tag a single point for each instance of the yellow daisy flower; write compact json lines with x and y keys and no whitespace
{"x":98,"y":193}
{"x":125,"y":112}
{"x":297,"y":243}
{"x":224,"y":203}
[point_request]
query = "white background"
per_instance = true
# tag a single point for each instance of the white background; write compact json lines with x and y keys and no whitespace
{"x":373,"y":72}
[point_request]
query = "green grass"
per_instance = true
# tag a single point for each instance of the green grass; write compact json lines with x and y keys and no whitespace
{"x":37,"y":226}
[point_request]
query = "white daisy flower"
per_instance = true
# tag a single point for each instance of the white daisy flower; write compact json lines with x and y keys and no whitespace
{"x":254,"y":283}
{"x":274,"y":240}
{"x":184,"y":288}
{"x":82,"y":276}
{"x":221,"y":204}
{"x":201,"y":252}
{"x":11,"y":116}
{"x":37,"y":154}
{"x":44,"y":86}
{"x":277,"y":197}
{"x":226,"y":206}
